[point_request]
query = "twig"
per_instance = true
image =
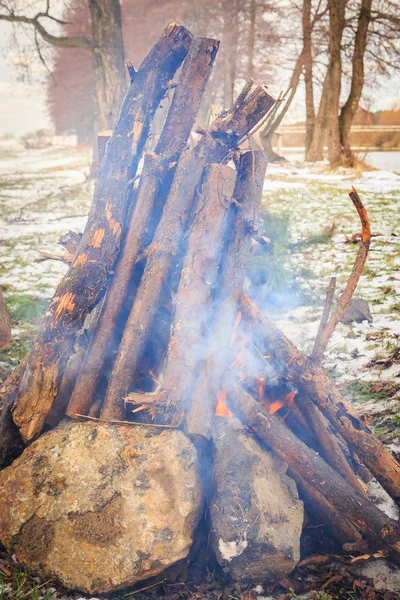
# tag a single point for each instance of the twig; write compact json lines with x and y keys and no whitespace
{"x":116,"y":422}
{"x":325,"y":314}
{"x":145,"y":588}
{"x":344,"y":300}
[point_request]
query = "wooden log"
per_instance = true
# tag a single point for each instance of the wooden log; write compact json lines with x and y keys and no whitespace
{"x":88,"y":275}
{"x":5,"y":324}
{"x":343,"y":530}
{"x":380,"y":532}
{"x":247,"y":194}
{"x":193,"y":299}
{"x":314,"y":382}
{"x":214,"y":146}
{"x":331,"y":448}
{"x":184,"y":107}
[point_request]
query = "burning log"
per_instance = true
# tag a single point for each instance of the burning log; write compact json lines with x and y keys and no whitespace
{"x":214,"y":146}
{"x":376,"y":528}
{"x":88,"y":274}
{"x":248,"y":191}
{"x":193,"y":299}
{"x":189,"y":91}
{"x":314,"y":382}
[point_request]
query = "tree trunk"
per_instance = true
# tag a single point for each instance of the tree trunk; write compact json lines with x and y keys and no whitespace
{"x":88,"y":275}
{"x":214,"y":146}
{"x":5,"y":324}
{"x":308,"y":73}
{"x":252,"y":39}
{"x":336,"y":26}
{"x":316,"y":149}
{"x":350,"y":107}
{"x":108,"y":61}
{"x":229,"y":50}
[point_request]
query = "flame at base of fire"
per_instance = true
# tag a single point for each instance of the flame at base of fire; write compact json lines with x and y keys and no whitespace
{"x":221,"y":409}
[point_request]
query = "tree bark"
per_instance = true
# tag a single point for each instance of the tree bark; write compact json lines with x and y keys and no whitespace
{"x":229,"y":46}
{"x":188,"y":93}
{"x":5,"y":324}
{"x":190,"y":328}
{"x":108,"y":61}
{"x":350,"y":107}
{"x":307,"y":59}
{"x":252,"y":40}
{"x":316,"y":149}
{"x":214,"y":146}
{"x":377,"y":529}
{"x":88,"y":275}
{"x":314,"y":382}
{"x":336,"y":27}
{"x":248,"y":192}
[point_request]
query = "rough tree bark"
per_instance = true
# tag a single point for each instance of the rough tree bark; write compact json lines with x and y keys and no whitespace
{"x":108,"y":61}
{"x":314,"y":382}
{"x":316,"y":149}
{"x":350,"y":107}
{"x":214,"y":146}
{"x":189,"y":332}
{"x":336,"y":27}
{"x":185,"y":104}
{"x":229,"y":49}
{"x":88,"y":275}
{"x":307,"y":59}
{"x":377,"y":529}
{"x":244,"y":217}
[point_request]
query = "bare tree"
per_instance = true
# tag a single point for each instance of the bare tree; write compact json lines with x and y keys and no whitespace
{"x":106,"y":48}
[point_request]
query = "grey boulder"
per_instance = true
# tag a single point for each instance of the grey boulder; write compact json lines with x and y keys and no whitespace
{"x":99,"y":507}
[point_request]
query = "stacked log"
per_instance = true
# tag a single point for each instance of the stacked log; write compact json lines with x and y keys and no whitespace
{"x":178,"y":236}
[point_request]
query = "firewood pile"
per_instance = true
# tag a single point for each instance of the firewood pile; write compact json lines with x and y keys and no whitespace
{"x":152,"y":327}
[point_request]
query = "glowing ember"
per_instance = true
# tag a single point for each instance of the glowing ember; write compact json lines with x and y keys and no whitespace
{"x":221,"y":409}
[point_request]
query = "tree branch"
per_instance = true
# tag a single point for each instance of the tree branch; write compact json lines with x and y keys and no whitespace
{"x":61,"y":41}
{"x":322,"y":342}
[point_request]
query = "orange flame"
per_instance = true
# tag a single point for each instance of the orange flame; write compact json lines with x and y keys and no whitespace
{"x":286,"y":400}
{"x":221,"y":409}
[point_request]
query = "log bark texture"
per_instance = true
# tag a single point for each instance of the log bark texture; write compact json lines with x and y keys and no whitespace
{"x":184,"y":107}
{"x":88,"y":275}
{"x":190,"y":328}
{"x":314,"y":382}
{"x":214,"y":146}
{"x":247,"y":194}
{"x":380,"y":532}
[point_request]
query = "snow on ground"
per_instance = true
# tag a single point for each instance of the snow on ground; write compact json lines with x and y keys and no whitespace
{"x":316,"y":199}
{"x":44,"y":193}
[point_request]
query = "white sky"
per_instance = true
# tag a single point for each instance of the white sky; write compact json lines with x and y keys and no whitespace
{"x":23,"y":105}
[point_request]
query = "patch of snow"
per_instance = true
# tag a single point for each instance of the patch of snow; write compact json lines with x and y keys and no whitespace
{"x":383,"y":501}
{"x":230,"y":550}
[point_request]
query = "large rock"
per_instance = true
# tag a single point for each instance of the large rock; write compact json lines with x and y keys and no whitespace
{"x":100,"y":507}
{"x":256,"y":514}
